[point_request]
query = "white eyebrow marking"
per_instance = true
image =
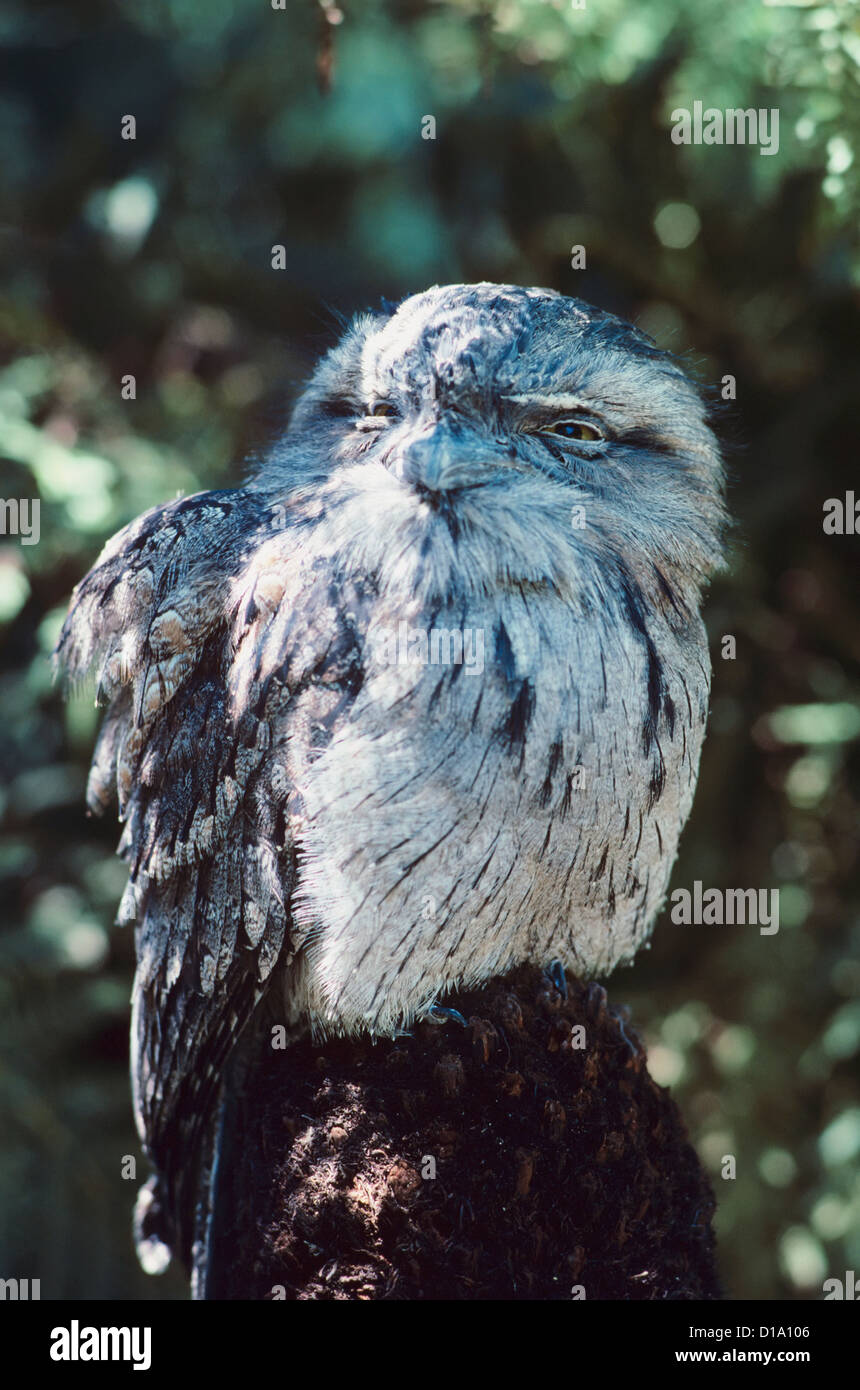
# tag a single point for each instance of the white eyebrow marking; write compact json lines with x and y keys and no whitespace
{"x":564,"y":402}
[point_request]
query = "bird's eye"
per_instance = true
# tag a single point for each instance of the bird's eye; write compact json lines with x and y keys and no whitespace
{"x":382,"y":410}
{"x":573,"y":429}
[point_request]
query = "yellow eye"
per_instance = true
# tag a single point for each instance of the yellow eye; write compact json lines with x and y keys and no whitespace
{"x":573,"y":429}
{"x":382,"y":410}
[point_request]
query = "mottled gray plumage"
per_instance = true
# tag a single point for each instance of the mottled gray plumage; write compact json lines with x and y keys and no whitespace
{"x":353,"y":838}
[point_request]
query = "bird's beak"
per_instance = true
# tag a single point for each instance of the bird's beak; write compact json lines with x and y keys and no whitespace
{"x":441,"y":456}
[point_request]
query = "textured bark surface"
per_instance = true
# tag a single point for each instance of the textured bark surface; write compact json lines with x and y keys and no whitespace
{"x":561,"y":1168}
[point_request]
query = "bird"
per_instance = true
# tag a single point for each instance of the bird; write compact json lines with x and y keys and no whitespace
{"x":421,"y":700}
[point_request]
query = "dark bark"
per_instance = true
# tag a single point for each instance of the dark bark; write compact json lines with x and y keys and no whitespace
{"x":557,"y":1166}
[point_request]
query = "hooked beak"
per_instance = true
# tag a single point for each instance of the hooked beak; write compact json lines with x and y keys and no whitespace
{"x":440,"y":458}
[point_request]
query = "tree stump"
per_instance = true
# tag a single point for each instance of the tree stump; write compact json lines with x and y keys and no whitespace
{"x":527,"y":1155}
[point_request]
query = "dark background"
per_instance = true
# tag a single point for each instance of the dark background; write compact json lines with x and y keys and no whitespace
{"x":153,"y":257}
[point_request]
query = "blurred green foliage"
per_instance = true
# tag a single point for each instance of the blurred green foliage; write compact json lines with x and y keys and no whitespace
{"x":152,"y":257}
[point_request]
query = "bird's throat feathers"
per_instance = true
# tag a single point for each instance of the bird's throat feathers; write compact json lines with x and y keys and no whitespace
{"x":513,"y":534}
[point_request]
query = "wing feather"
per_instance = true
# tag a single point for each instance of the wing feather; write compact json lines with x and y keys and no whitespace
{"x":219,"y":688}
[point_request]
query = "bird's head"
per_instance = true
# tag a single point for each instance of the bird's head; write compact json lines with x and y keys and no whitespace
{"x":485,"y":435}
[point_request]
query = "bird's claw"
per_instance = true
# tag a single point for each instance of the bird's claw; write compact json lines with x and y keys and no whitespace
{"x":556,"y":976}
{"x":440,"y":1014}
{"x":633,"y":1045}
